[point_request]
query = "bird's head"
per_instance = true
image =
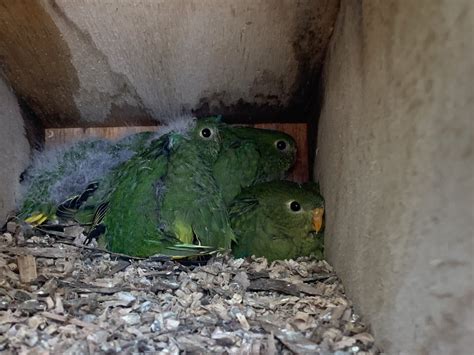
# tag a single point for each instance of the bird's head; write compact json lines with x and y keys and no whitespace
{"x":294,"y":207}
{"x":290,"y":219}
{"x":207,"y":137}
{"x":277,"y":150}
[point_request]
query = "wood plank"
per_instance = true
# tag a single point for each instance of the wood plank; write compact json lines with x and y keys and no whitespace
{"x":59,"y":136}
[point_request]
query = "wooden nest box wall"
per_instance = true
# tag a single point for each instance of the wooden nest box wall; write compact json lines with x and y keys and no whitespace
{"x":383,"y":88}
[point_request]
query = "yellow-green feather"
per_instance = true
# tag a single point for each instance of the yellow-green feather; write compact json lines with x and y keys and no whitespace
{"x":265,"y":225}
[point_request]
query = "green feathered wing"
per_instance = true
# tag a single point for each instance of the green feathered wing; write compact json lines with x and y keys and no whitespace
{"x":125,"y":209}
{"x":193,"y":206}
{"x":132,"y":216}
{"x":229,"y":172}
{"x":165,"y":198}
{"x":70,"y":172}
{"x":62,"y":173}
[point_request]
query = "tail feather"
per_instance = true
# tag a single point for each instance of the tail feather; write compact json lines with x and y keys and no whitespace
{"x":183,"y":251}
{"x":37,"y":219}
{"x":69,"y":207}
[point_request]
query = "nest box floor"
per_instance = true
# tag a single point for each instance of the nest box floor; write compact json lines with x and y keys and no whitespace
{"x":59,"y":297}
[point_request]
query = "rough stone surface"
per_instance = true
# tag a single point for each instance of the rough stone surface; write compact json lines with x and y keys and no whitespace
{"x":100,"y":63}
{"x":395,"y":162}
{"x":14,"y":149}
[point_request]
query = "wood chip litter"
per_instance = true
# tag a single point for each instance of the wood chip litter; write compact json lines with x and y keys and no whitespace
{"x":59,"y":297}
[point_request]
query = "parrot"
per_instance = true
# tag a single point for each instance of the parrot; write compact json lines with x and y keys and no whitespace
{"x":250,"y":156}
{"x":126,"y":193}
{"x":278,"y":220}
{"x":63,"y":174}
{"x":58,"y":174}
{"x":163,"y":200}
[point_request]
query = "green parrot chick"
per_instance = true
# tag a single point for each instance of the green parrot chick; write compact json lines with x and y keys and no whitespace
{"x":62,"y":173}
{"x":164,"y":200}
{"x":192,"y":202}
{"x":250,"y":156}
{"x":278,"y":220}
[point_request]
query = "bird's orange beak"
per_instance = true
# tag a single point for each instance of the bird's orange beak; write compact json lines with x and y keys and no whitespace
{"x":318,"y":218}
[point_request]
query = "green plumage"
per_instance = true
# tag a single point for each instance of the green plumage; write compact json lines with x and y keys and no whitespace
{"x":64,"y":172}
{"x":165,"y":196}
{"x":250,"y":156}
{"x":132,"y":216}
{"x":267,"y":221}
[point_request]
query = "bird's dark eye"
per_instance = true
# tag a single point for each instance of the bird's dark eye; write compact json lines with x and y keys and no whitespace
{"x":206,"y":133}
{"x":281,"y":145}
{"x":295,"y":206}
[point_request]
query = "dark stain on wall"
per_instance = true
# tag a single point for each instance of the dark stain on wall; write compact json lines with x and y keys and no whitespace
{"x":271,"y":110}
{"x":36,"y":61}
{"x":309,"y":43}
{"x":121,"y":112}
{"x":125,"y":114}
{"x":34,"y":130}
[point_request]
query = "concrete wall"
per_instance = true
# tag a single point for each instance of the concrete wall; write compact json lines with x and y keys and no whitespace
{"x":14,"y":149}
{"x":395,"y":162}
{"x":106,"y":63}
